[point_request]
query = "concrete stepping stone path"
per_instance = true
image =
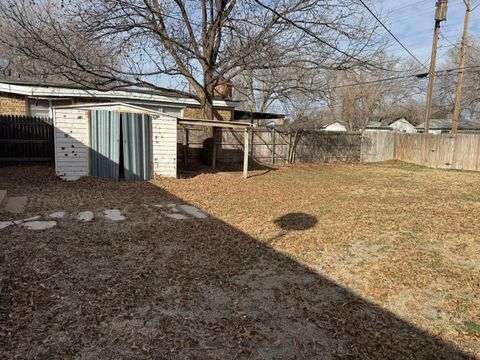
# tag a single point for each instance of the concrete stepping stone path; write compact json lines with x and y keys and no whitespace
{"x":173,"y":211}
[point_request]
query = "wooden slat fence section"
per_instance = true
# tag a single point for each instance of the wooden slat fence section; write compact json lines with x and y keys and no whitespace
{"x":24,"y":138}
{"x":323,"y":147}
{"x":377,"y":146}
{"x":443,"y":151}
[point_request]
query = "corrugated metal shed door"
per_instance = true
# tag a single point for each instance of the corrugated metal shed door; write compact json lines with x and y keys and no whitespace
{"x":137,"y":158}
{"x":105,"y":144}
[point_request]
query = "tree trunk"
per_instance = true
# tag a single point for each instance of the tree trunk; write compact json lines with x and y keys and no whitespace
{"x":206,"y":106}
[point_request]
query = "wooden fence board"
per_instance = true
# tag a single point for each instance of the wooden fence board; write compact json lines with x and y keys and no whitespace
{"x":25,"y":138}
{"x":443,"y":151}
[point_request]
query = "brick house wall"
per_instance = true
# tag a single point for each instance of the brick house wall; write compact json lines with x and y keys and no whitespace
{"x":222,"y":114}
{"x":12,"y":104}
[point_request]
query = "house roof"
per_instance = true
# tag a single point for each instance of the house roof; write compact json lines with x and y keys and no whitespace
{"x":446,"y":124}
{"x":391,"y":121}
{"x":377,"y":125}
{"x":40,"y":88}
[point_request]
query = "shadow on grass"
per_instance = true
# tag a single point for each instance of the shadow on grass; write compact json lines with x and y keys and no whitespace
{"x":157,"y":288}
{"x":196,"y":168}
{"x":296,"y":221}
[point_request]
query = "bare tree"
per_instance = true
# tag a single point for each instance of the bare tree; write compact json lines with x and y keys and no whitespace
{"x":445,"y":90}
{"x":207,"y":42}
{"x":361,"y":95}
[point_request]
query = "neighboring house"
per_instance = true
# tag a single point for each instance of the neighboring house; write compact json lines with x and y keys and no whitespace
{"x":334,"y":126}
{"x":377,"y":126}
{"x":401,"y":125}
{"x":444,"y":126}
{"x":37,"y":98}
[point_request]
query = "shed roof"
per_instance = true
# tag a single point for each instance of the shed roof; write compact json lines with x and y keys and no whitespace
{"x":123,"y":107}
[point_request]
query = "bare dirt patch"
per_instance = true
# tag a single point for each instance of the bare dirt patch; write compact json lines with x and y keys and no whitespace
{"x":388,"y":269}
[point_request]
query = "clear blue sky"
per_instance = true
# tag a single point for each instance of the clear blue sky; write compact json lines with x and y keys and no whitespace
{"x":412,"y":22}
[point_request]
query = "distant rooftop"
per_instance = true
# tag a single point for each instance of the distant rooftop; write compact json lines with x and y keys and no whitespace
{"x":446,"y":124}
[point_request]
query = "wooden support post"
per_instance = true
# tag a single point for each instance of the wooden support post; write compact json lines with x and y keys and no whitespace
{"x":214,"y":148}
{"x":185,"y":146}
{"x":245,"y":154}
{"x":273,"y":145}
{"x":458,"y":90}
{"x":440,"y":15}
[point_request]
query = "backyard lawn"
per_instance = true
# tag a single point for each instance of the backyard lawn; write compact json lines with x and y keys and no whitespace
{"x":376,"y":261}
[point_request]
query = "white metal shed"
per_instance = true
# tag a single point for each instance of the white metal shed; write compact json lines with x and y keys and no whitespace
{"x":114,"y":139}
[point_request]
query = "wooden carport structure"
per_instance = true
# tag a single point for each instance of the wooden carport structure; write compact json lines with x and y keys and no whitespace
{"x":214,"y":124}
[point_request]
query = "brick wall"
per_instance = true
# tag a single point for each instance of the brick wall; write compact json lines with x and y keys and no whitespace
{"x":223,"y":114}
{"x":12,"y":104}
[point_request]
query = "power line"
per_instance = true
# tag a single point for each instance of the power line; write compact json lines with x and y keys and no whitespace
{"x":392,"y":34}
{"x":418,"y":76}
{"x":316,"y":37}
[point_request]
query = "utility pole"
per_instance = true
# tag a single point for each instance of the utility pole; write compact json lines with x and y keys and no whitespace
{"x":440,"y":15}
{"x":461,"y":70}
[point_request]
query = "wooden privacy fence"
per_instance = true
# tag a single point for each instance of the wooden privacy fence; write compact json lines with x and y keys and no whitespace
{"x":438,"y":151}
{"x":25,"y":138}
{"x":444,"y":151}
{"x":267,"y":146}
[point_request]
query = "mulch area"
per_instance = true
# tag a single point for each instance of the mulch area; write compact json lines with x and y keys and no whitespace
{"x":298,"y":262}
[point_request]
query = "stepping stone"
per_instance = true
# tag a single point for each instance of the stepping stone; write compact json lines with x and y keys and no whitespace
{"x":193,"y":211}
{"x":16,"y":205}
{"x":5,"y":224}
{"x":114,"y":215}
{"x":85,"y":216}
{"x":57,"y":215}
{"x":39,"y":225}
{"x":18,"y":222}
{"x":173,"y":207}
{"x":177,"y":216}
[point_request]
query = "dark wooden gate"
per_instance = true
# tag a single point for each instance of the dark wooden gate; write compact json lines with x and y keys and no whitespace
{"x":26,"y":138}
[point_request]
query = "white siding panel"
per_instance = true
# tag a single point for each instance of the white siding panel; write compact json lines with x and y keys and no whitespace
{"x":164,"y":145}
{"x":71,"y":143}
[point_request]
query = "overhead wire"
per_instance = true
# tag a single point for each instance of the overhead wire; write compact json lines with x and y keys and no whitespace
{"x":418,"y":76}
{"x":391,"y":33}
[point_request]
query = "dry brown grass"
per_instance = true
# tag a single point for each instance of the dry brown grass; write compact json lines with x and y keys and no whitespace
{"x":403,"y":236}
{"x":387,"y":265}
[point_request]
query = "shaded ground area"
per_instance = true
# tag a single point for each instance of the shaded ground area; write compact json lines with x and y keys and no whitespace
{"x":331,"y":262}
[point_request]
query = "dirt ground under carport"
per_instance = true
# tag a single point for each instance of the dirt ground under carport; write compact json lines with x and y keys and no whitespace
{"x":301,"y":262}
